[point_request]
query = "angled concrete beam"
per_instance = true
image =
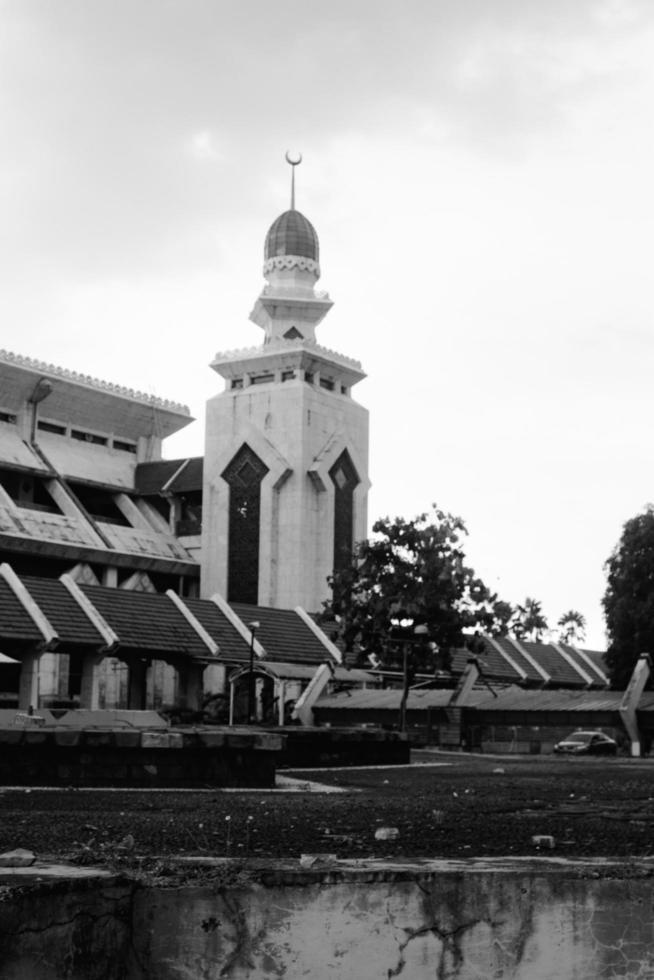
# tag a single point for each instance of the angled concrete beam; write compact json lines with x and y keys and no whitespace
{"x":330,"y":647}
{"x":110,"y":637}
{"x":194,"y":623}
{"x":237,"y":623}
{"x":303,"y":709}
{"x":586,"y":678}
{"x":592,"y":666}
{"x":509,"y":659}
{"x":38,"y":617}
{"x":530,"y":660}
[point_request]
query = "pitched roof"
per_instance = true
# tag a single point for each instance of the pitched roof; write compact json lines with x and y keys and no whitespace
{"x":146,"y":620}
{"x":560,"y":671}
{"x":66,"y":615}
{"x":15,"y":622}
{"x":283,"y":634}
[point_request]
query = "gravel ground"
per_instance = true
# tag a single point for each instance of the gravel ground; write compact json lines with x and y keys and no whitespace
{"x":454,"y":806}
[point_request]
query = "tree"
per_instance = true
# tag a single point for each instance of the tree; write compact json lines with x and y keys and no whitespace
{"x":413,"y":571}
{"x":572,"y":627}
{"x":629,"y":598}
{"x":529,"y":623}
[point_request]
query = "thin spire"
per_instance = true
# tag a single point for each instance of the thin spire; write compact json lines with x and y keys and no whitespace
{"x":294,"y":160}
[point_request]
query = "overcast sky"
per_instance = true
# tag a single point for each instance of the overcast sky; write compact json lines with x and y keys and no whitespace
{"x":480,"y":175}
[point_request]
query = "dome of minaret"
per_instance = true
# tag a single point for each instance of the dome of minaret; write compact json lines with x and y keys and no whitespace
{"x":292,"y":234}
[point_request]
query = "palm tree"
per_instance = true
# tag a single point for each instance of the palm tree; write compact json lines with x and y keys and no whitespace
{"x":572,"y":627}
{"x":529,"y":622}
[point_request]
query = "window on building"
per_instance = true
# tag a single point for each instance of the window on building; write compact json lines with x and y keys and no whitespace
{"x":190,"y":513}
{"x":262,"y":379}
{"x":100,"y":504}
{"x":327,"y":383}
{"x":54,"y":427}
{"x":93,"y":437}
{"x":8,"y":417}
{"x":237,"y":382}
{"x":345,"y":479}
{"x":288,"y":375}
{"x":294,"y":334}
{"x":28,"y":491}
{"x":244,"y":475}
{"x":308,"y":376}
{"x":125,"y":447}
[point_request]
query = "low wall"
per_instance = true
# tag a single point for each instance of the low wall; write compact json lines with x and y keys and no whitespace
{"x":129,"y":757}
{"x":503,"y":918}
{"x":347,"y":746}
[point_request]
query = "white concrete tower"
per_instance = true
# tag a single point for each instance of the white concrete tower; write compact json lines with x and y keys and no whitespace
{"x":286,"y":456}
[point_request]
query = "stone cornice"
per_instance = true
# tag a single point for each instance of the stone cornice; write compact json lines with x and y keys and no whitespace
{"x":280,"y":346}
{"x":53,"y":370}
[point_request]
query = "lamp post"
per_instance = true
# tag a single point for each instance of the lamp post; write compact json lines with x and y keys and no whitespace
{"x":253,"y":627}
{"x":409,"y":634}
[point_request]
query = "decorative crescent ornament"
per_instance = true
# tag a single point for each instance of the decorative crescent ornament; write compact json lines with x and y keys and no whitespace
{"x":293,"y":159}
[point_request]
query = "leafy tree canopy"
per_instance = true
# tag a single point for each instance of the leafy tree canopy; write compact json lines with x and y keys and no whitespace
{"x":629,"y":598}
{"x":413,"y":571}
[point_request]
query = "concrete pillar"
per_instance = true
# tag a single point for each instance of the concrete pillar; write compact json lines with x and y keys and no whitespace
{"x":631,"y":698}
{"x":137,"y":691}
{"x":190,"y":686}
{"x":89,"y":696}
{"x":28,"y":686}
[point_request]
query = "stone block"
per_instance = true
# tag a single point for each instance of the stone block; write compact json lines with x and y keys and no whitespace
{"x":212,"y":740}
{"x":269,"y":743}
{"x":127,"y":739}
{"x":240,"y":741}
{"x":96,"y":740}
{"x":36,"y":737}
{"x":155,"y":740}
{"x":191,"y":740}
{"x":11,"y":736}
{"x":67,"y":737}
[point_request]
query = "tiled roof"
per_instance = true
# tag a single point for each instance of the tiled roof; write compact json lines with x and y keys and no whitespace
{"x":15,"y":623}
{"x":561,"y":674}
{"x":191,"y":476}
{"x":232,"y":645}
{"x":146,"y":620}
{"x":61,"y":609}
{"x":151,"y":477}
{"x":560,"y":671}
{"x":283,"y":634}
{"x":492,"y":663}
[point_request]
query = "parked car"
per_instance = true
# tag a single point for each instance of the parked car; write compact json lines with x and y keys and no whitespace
{"x":587,"y":743}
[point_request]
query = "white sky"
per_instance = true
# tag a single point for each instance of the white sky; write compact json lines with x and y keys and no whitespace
{"x":480,"y":174}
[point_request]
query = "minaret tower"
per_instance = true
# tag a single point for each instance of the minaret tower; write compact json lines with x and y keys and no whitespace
{"x":286,"y":458}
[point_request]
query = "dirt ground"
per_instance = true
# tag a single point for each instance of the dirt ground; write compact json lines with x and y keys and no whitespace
{"x":444,"y":805}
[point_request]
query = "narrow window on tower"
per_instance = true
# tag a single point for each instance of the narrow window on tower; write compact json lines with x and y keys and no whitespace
{"x":244,"y":475}
{"x":345,"y":479}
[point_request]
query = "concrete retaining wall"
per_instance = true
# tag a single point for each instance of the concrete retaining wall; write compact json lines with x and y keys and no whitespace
{"x":523,"y":920}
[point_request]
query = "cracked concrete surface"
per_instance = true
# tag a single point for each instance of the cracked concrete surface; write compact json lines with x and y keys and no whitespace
{"x":462,"y":920}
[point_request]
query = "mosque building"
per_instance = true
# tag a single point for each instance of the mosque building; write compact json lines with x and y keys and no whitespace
{"x":88,"y":505}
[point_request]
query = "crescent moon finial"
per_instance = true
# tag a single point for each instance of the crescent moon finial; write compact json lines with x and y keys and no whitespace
{"x":294,"y":159}
{"x":290,"y":156}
